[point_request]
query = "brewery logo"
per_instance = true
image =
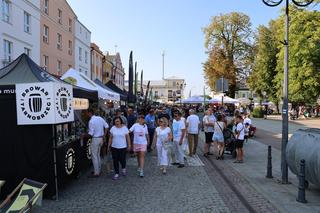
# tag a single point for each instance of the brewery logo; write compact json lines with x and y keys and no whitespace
{"x":63,"y":102}
{"x":88,"y":149}
{"x":70,"y":161}
{"x":35,"y":102}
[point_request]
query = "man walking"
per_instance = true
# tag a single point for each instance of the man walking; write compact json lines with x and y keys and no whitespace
{"x":193,"y":127}
{"x":179,"y":131}
{"x":150,"y":120}
{"x":208,"y":122}
{"x":98,"y":128}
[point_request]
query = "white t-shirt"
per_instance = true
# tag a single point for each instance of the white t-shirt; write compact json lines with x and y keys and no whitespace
{"x":97,"y":126}
{"x":162,"y":134}
{"x":240,"y":128}
{"x":139,"y":133}
{"x":177,"y":127}
{"x":119,"y":140}
{"x":218,"y":127}
{"x":209,"y":119}
{"x":247,"y":120}
{"x":193,"y":124}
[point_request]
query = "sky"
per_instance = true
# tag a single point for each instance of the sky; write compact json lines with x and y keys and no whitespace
{"x":149,"y":27}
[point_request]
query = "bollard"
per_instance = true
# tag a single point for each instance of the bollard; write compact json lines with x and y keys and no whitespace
{"x":302,"y":190}
{"x":269,"y":166}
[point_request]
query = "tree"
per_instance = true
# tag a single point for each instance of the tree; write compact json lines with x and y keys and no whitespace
{"x":262,"y":79}
{"x":228,"y":43}
{"x":304,"y":56}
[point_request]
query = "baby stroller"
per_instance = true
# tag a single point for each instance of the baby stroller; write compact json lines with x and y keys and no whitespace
{"x":230,"y":142}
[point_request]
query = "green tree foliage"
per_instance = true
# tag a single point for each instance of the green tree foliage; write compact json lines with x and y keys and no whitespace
{"x":228,"y":43}
{"x":304,"y":58}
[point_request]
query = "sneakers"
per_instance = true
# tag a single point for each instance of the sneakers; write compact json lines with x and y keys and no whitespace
{"x":141,"y":174}
{"x":115,"y":177}
{"x":164,"y":171}
{"x":124,"y":172}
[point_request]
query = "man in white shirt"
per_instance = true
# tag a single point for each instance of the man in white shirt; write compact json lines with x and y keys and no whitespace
{"x":240,"y":133}
{"x":179,"y":131}
{"x":193,"y":127}
{"x":98,"y":128}
{"x":208,"y":122}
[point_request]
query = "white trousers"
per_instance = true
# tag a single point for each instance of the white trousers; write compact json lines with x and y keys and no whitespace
{"x":96,"y":144}
{"x":162,"y":155}
{"x":179,"y":153}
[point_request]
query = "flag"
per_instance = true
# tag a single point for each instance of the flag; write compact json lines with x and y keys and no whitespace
{"x":130,"y":92}
{"x":141,"y":84}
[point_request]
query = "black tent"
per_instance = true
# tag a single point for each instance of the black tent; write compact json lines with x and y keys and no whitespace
{"x":27,"y":151}
{"x":123,"y":93}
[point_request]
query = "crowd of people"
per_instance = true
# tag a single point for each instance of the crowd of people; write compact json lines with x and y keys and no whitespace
{"x":172,"y":132}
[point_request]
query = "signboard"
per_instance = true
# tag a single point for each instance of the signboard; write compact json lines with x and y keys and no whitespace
{"x":222,"y":85}
{"x":80,"y":103}
{"x":44,"y":103}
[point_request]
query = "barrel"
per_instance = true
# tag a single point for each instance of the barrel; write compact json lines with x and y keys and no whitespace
{"x":305,"y":144}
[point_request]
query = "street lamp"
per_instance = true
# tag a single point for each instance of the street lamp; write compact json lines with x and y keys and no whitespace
{"x":274,"y":3}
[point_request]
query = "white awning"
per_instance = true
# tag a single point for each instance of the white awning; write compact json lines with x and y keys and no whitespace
{"x":76,"y":78}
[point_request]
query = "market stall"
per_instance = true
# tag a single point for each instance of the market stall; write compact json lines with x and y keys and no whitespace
{"x":39,"y":137}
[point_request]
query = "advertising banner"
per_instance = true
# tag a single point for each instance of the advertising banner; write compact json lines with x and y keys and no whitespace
{"x":44,"y":103}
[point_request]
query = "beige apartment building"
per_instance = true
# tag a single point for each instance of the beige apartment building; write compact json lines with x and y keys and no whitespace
{"x":57,"y":36}
{"x":97,"y":58}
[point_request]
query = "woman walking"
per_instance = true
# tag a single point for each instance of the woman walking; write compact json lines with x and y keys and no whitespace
{"x":218,"y":138}
{"x":162,"y":137}
{"x":140,"y":142}
{"x":119,"y":141}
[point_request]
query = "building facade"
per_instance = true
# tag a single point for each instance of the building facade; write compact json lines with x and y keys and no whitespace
{"x":19,"y":30}
{"x":57,"y":24}
{"x":117,"y":72}
{"x":167,"y":90}
{"x":97,"y":59}
{"x":108,"y":67}
{"x":82,"y":49}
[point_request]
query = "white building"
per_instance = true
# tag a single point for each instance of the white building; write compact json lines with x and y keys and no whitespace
{"x":82,"y":49}
{"x":169,"y":89}
{"x":19,"y":30}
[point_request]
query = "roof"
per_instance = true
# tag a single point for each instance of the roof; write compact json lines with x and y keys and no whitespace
{"x":24,"y":70}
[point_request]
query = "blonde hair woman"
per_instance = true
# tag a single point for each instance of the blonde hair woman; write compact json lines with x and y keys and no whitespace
{"x":162,"y":137}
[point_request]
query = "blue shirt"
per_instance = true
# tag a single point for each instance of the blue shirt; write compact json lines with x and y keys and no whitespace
{"x":151,"y":121}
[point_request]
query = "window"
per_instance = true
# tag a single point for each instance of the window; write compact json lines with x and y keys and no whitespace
{"x":46,"y":6}
{"x":86,"y":57}
{"x":86,"y":35}
{"x":70,"y":25}
{"x":69,"y":66}
{"x":6,"y":6}
{"x":80,"y":30}
{"x":80,"y":70}
{"x":70,"y":48}
{"x":59,"y":41}
{"x":86,"y":72}
{"x":45,"y":62}
{"x":45,"y":34}
{"x":59,"y":67}
{"x":27,"y":51}
{"x":27,"y":20}
{"x":80,"y":54}
{"x":7,"y":50}
{"x":59,"y":16}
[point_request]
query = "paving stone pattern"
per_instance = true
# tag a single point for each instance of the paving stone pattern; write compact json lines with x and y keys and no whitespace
{"x":182,"y":190}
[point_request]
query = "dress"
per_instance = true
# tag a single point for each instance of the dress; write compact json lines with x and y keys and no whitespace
{"x":162,"y":145}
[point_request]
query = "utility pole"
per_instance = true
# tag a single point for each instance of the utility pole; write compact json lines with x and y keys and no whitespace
{"x":163,"y":54}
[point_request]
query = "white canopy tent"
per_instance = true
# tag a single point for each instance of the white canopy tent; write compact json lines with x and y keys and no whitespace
{"x":78,"y":79}
{"x":194,"y":100}
{"x":226,"y":100}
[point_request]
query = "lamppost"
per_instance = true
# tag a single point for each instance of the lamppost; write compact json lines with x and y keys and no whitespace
{"x":274,"y":3}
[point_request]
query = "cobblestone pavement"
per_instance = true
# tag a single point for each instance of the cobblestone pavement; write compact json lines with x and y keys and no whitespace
{"x":235,"y":190}
{"x":182,"y":190}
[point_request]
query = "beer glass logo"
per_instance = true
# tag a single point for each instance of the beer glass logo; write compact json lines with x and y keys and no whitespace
{"x":70,"y":161}
{"x":35,"y":102}
{"x":63,"y":102}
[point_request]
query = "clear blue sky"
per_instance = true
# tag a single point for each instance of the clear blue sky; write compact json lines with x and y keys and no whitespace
{"x":150,"y":26}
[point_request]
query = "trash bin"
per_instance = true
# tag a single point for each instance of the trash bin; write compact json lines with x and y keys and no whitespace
{"x":305,"y":144}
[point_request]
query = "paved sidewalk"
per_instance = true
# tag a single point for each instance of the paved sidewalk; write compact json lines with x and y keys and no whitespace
{"x":282,"y":196}
{"x":182,"y":190}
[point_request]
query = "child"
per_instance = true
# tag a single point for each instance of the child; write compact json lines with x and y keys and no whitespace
{"x":246,"y":132}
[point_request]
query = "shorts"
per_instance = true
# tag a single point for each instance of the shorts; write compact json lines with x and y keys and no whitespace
{"x":239,"y":144}
{"x":139,"y":147}
{"x":209,"y":137}
{"x":218,"y":138}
